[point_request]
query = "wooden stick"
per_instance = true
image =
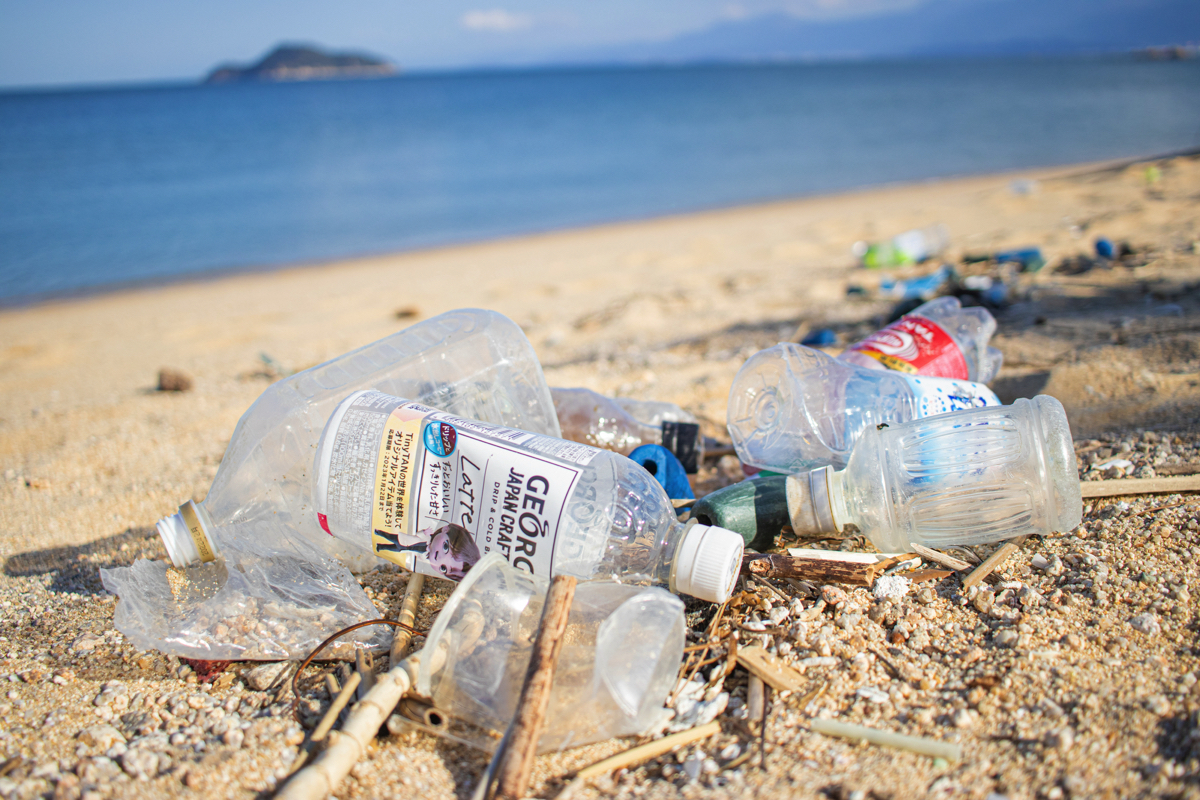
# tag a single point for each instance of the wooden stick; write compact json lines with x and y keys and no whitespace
{"x":335,"y":708}
{"x":650,"y":750}
{"x":515,"y":757}
{"x":1126,"y":486}
{"x":993,"y":561}
{"x":408,"y":615}
{"x":331,"y":685}
{"x":365,"y":671}
{"x":319,"y":779}
{"x":854,"y":572}
{"x":929,"y":554}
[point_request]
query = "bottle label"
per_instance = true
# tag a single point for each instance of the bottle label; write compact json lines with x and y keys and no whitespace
{"x":941,"y":395}
{"x":915,"y":345}
{"x":446,"y":490}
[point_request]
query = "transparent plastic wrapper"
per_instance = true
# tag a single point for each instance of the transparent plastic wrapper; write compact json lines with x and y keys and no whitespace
{"x":619,"y":660}
{"x":622,"y":425}
{"x":940,"y":339}
{"x":470,"y":362}
{"x":270,"y":596}
{"x":968,"y":477}
{"x":793,"y":408}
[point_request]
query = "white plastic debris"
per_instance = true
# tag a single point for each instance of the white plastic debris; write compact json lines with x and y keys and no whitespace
{"x":892,"y":587}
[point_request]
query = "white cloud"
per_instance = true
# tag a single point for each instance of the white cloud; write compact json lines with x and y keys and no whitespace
{"x":495,"y":19}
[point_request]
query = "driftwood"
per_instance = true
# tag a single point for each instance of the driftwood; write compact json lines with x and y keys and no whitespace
{"x":993,"y":561}
{"x":850,"y":569}
{"x":1126,"y":486}
{"x":514,"y":758}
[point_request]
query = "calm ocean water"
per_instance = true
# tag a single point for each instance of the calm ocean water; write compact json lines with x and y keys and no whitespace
{"x":100,"y":188}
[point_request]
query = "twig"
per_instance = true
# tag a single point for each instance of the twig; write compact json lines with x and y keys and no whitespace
{"x":365,"y":670}
{"x":335,"y":708}
{"x":643,"y":753}
{"x":320,"y":779}
{"x":993,"y":561}
{"x":1126,"y":486}
{"x":1164,"y":508}
{"x":407,"y":616}
{"x":763,"y":666}
{"x":929,"y":554}
{"x":308,"y":659}
{"x":331,"y":684}
{"x":514,"y":758}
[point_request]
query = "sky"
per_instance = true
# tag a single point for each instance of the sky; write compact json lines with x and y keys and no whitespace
{"x":71,"y":42}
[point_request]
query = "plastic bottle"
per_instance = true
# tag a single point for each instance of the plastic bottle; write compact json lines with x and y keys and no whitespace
{"x":939,"y":338}
{"x":910,"y":247}
{"x":622,"y":425}
{"x":964,"y":478}
{"x":434,"y":492}
{"x":793,"y":408}
{"x":619,"y":659}
{"x":471,"y":362}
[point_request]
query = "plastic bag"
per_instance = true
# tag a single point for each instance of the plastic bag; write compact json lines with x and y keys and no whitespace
{"x":271,"y":596}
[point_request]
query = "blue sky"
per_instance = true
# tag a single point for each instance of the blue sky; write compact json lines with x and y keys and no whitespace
{"x":64,"y":42}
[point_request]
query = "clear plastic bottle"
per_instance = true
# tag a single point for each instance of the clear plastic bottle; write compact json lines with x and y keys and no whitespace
{"x":622,"y":425}
{"x":793,"y":408}
{"x":940,"y":339}
{"x":471,"y":362}
{"x":434,"y":493}
{"x":964,"y":478}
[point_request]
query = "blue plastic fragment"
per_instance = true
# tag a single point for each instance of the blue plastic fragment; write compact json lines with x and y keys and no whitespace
{"x":666,"y":469}
{"x":820,"y":338}
{"x":1105,"y":248}
{"x":1030,"y":258}
{"x":926,"y":287}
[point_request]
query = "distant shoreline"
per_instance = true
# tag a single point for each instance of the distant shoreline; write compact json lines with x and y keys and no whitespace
{"x":418,"y":72}
{"x":233,"y":272}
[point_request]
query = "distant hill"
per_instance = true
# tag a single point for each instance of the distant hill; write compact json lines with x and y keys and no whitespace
{"x":297,"y":63}
{"x":937,"y":28}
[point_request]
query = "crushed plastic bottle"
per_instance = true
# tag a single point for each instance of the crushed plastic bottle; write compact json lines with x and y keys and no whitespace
{"x":622,"y":425}
{"x":620,"y":654}
{"x":969,"y":477}
{"x":793,"y":408}
{"x":433,"y":493}
{"x":940,"y":339}
{"x":474,"y":363}
{"x":910,"y":247}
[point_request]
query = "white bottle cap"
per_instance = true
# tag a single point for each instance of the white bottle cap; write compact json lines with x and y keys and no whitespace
{"x":707,"y":563}
{"x":186,"y":537}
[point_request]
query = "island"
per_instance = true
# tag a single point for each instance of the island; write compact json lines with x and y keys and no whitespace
{"x":303,"y":63}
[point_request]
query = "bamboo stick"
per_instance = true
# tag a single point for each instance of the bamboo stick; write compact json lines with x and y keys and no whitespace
{"x":638,"y":755}
{"x":408,"y":615}
{"x":319,"y":779}
{"x":514,"y":758}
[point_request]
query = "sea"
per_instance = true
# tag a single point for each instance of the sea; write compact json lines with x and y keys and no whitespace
{"x":111,"y":187}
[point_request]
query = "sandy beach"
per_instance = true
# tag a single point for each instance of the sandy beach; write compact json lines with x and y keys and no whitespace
{"x":92,"y":456}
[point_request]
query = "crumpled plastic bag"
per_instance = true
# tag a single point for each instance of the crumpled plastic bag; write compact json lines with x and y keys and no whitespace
{"x":271,"y":596}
